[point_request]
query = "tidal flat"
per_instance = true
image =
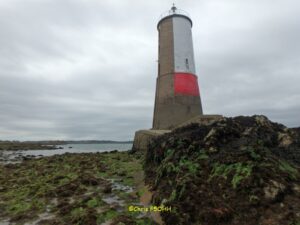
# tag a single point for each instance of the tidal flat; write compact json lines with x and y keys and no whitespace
{"x":85,"y":188}
{"x":17,"y":145}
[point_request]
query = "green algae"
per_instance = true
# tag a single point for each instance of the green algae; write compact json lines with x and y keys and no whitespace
{"x":239,"y":170}
{"x":203,"y":156}
{"x":288,"y":168}
{"x":71,"y":186}
{"x":94,"y":203}
{"x":110,"y":214}
{"x":191,"y":166}
{"x":253,"y":199}
{"x":253,"y":153}
{"x":19,"y":207}
{"x":225,"y":179}
{"x":295,"y":223}
{"x":146,"y":221}
{"x":78,"y":213}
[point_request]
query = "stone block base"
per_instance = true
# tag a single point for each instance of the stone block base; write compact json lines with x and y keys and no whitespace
{"x":143,"y":137}
{"x":202,"y":120}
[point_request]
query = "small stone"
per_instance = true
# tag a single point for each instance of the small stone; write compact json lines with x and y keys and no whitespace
{"x":212,"y":132}
{"x":284,"y":140}
{"x":272,"y":191}
{"x":212,"y":149}
{"x":164,"y":201}
{"x":296,"y":188}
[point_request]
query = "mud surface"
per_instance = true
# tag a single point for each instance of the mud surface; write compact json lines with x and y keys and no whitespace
{"x":241,"y":171}
{"x":91,"y":188}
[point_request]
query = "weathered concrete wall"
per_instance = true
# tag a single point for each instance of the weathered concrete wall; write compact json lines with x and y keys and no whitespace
{"x":202,"y":120}
{"x":165,"y":79}
{"x":143,"y":137}
{"x":176,"y":110}
{"x":166,"y":47}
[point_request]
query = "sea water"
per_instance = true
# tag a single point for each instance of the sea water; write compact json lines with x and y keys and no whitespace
{"x":70,"y":148}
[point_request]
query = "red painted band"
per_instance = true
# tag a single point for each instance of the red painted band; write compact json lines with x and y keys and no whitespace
{"x":186,"y":84}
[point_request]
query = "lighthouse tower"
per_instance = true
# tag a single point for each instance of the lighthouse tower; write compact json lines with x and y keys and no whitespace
{"x":177,"y":97}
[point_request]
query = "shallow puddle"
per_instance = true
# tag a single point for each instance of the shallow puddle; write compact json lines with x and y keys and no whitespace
{"x":118,"y":186}
{"x":113,"y":199}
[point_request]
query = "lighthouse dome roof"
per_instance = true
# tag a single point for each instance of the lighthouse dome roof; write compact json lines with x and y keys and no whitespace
{"x":174,"y":11}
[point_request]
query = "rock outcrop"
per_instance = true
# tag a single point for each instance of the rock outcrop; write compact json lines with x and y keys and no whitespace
{"x":242,"y":170}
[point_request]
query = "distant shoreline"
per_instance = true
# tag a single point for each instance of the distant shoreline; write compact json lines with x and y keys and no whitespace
{"x":98,"y":142}
{"x":49,"y":145}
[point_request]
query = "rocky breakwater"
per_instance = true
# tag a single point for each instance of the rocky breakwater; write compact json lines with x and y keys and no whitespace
{"x":241,"y":170}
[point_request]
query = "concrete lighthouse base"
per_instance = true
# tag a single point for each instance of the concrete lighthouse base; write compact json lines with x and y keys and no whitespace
{"x":143,"y":138}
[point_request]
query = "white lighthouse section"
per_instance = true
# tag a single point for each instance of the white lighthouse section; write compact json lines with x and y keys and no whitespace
{"x":183,"y":46}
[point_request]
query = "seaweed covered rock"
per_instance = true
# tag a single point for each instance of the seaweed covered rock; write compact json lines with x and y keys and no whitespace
{"x":241,"y":170}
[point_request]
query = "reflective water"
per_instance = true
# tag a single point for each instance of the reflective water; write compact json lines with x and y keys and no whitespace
{"x":80,"y":148}
{"x":15,"y":156}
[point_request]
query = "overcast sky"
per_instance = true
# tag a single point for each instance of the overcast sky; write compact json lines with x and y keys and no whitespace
{"x":86,"y":69}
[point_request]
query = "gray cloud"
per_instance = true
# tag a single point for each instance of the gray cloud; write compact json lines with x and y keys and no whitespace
{"x":87,"y":69}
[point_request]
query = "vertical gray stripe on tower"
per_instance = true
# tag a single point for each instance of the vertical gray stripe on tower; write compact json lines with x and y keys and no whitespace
{"x":183,"y":46}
